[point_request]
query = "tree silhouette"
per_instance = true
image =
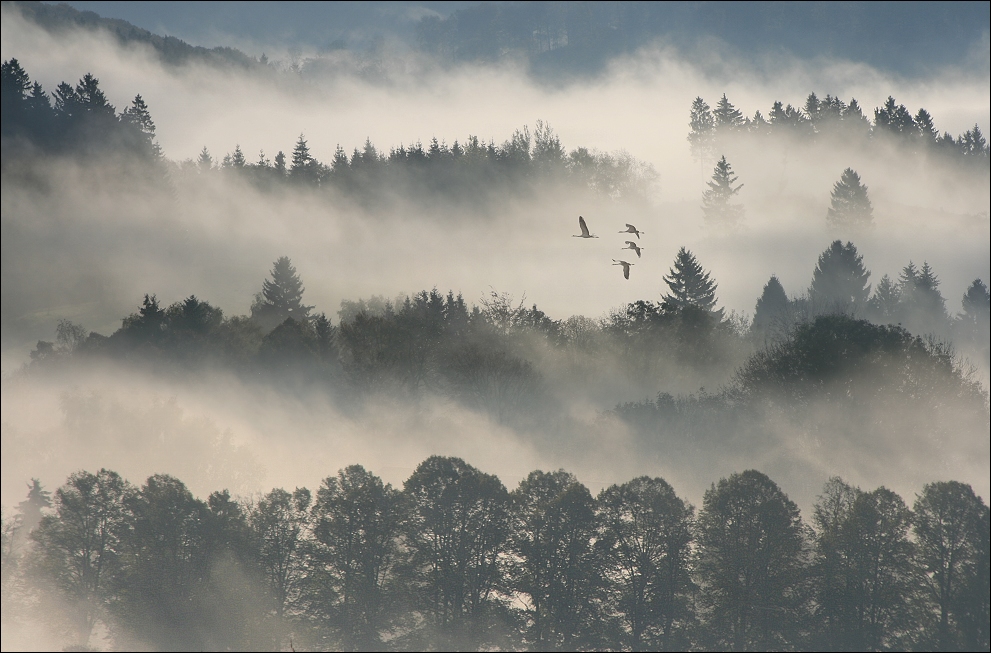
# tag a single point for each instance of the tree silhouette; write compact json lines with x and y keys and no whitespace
{"x":772,"y":314}
{"x":950,"y":527}
{"x":703,"y":125}
{"x":281,"y":297}
{"x":751,"y":562}
{"x":839,"y":282}
{"x":689,"y":285}
{"x":849,"y":205}
{"x":644,"y":537}
{"x":716,"y":200}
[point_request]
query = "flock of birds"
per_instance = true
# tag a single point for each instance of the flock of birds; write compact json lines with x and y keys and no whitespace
{"x":630,"y":229}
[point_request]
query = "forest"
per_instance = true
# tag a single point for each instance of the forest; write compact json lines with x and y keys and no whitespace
{"x":454,"y":560}
{"x":644,"y":507}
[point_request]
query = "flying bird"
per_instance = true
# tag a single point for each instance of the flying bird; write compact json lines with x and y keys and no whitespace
{"x":626,"y":267}
{"x":584,"y":228}
{"x":632,"y":245}
{"x":630,"y":229}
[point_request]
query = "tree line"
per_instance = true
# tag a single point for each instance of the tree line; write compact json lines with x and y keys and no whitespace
{"x":79,"y":120}
{"x":456,"y":560}
{"x":827,"y":120}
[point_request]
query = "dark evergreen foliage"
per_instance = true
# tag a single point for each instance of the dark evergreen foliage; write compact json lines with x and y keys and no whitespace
{"x":716,"y":200}
{"x":839,"y":281}
{"x":850,"y":207}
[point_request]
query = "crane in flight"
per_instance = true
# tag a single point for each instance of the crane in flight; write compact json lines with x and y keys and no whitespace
{"x":630,"y":229}
{"x":584,"y":228}
{"x":632,"y":245}
{"x":626,"y":267}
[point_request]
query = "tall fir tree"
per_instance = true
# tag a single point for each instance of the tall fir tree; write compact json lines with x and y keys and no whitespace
{"x":727,"y":117}
{"x":689,"y":285}
{"x":849,"y":205}
{"x":716,"y":204}
{"x":281,"y":297}
{"x":839,"y":282}
{"x":772,"y":314}
{"x":703,"y":125}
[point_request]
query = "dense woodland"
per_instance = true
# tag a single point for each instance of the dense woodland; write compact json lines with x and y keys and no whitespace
{"x":455,"y":559}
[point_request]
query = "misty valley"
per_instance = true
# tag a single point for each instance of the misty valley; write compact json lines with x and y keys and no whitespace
{"x":728,"y":390}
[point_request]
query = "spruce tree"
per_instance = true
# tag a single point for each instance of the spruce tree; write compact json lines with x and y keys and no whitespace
{"x":773,"y":310}
{"x":976,"y":303}
{"x":304,"y":166}
{"x":281,"y":297}
{"x":850,"y":207}
{"x":703,"y":125}
{"x":884,"y":304}
{"x":690,"y":285}
{"x":839,"y":282}
{"x":716,"y":200}
{"x":205,"y":161}
{"x":727,"y":117}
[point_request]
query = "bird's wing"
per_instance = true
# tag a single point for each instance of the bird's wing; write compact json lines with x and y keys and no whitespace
{"x":626,"y":270}
{"x":630,"y":226}
{"x":584,"y":227}
{"x":632,"y":245}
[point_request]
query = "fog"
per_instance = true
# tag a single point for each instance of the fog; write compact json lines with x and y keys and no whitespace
{"x":89,"y":249}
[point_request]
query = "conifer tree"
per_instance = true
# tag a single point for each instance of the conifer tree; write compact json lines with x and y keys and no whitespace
{"x":205,"y":161}
{"x":716,"y":200}
{"x":237,"y":159}
{"x":884,"y":304}
{"x":976,"y":304}
{"x":303,"y":167}
{"x":850,"y":207}
{"x":690,"y":285}
{"x":281,"y":297}
{"x":773,"y":311}
{"x":839,"y":282}
{"x":703,"y":125}
{"x":727,"y":117}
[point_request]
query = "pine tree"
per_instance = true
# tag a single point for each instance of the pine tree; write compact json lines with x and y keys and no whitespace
{"x":839,"y":282}
{"x":976,"y":304}
{"x":280,"y":163}
{"x":237,"y":159}
{"x":850,"y":207}
{"x":922,"y":304}
{"x":281,"y":297}
{"x":727,"y":117}
{"x":772,"y":314}
{"x":884,"y":304}
{"x":703,"y":125}
{"x":690,"y":285}
{"x":304,"y":166}
{"x":928,"y":134}
{"x":139,"y":116}
{"x":716,"y":201}
{"x":205,"y":161}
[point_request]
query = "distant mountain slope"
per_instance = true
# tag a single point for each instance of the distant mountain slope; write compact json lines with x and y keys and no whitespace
{"x":905,"y":37}
{"x":171,"y":50}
